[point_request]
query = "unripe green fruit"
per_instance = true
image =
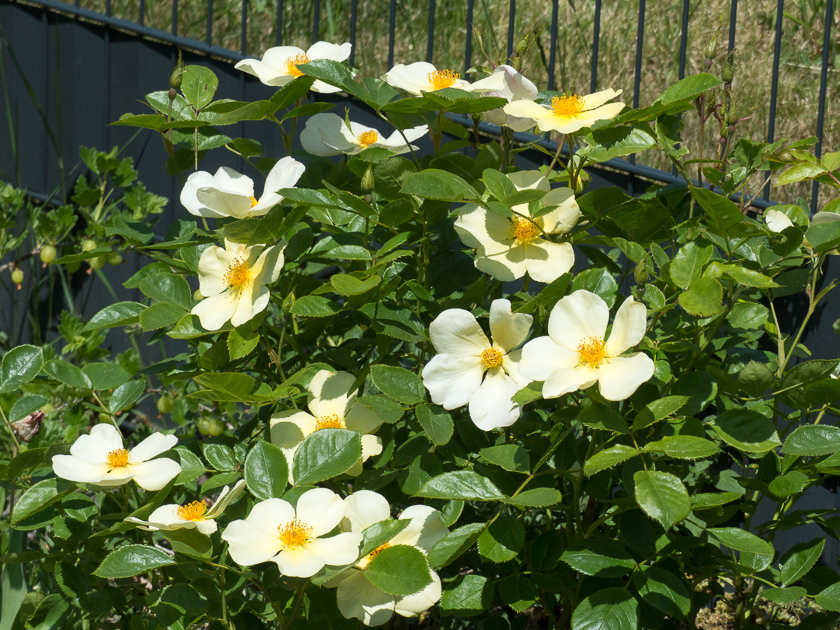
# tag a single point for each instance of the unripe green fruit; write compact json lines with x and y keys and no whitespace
{"x":17,"y":276}
{"x":97,"y":263}
{"x":104,"y":417}
{"x":115,"y":259}
{"x":88,"y":244}
{"x":211,"y":426}
{"x":47,"y":254}
{"x":73,"y":267}
{"x":165,"y":404}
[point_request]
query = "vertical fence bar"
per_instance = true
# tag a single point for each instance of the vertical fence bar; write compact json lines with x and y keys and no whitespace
{"x":108,"y":8}
{"x":552,"y":51}
{"x":142,"y":15}
{"x":316,"y":20}
{"x":353,"y":16}
{"x":209,"y":37}
{"x":637,"y":79}
{"x":175,"y":17}
{"x":430,"y":46}
{"x":243,"y":37}
{"x":829,"y":14}
{"x":683,"y":47}
{"x":733,"y":16}
{"x":278,"y":34}
{"x":511,"y":27}
{"x":468,"y":48}
{"x":596,"y":37}
{"x":392,"y":27}
{"x":774,"y":84}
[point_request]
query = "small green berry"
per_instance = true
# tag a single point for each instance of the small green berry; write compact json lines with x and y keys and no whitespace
{"x":47,"y":254}
{"x":17,"y":276}
{"x":165,"y":404}
{"x":97,"y":263}
{"x":88,"y":244}
{"x":73,"y":267}
{"x":211,"y":426}
{"x":115,"y":259}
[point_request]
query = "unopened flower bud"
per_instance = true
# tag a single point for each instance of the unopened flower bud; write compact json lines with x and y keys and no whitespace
{"x":707,"y":63}
{"x":730,"y":127}
{"x":177,"y":74}
{"x":732,"y":117}
{"x":724,"y":131}
{"x":29,"y":427}
{"x":367,"y":180}
{"x":580,"y":183}
{"x":172,"y":94}
{"x":711,"y":48}
{"x":727,"y":73}
{"x":640,"y":274}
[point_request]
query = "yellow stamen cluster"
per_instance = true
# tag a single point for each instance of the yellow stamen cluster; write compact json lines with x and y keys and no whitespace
{"x":118,"y":458}
{"x":592,"y":352}
{"x":491,"y":358}
{"x":570,"y":105}
{"x":294,"y":534}
{"x":443,"y":78}
{"x":524,"y":230}
{"x":368,"y":138}
{"x":332,"y":421}
{"x":238,"y":275}
{"x":254,"y":201}
{"x":292,"y":64}
{"x":192,"y":511}
{"x":377,"y":551}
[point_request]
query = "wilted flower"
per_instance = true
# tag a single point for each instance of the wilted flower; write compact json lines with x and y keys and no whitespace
{"x":575,"y":354}
{"x":421,"y":76}
{"x":29,"y":427}
{"x":332,"y":402}
{"x":233,"y":282}
{"x":328,"y":134}
{"x":567,"y":113}
{"x":516,"y":88}
{"x":193,"y":515}
{"x":465,"y":357}
{"x":359,"y":598}
{"x":279,"y":65}
{"x":292,"y":537}
{"x":100,"y":458}
{"x":231,"y":194}
{"x":507,"y":248}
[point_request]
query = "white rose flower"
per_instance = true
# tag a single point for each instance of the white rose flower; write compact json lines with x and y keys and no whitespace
{"x":231,"y":194}
{"x":359,"y":598}
{"x":516,"y":88}
{"x":292,"y":537}
{"x":333,"y":405}
{"x":328,"y":134}
{"x":778,"y":222}
{"x":575,"y":355}
{"x":419,"y":77}
{"x":567,"y":113}
{"x":233,"y":282}
{"x":468,"y":369}
{"x":508,"y":248}
{"x":279,"y":65}
{"x":194,"y":515}
{"x":100,"y":458}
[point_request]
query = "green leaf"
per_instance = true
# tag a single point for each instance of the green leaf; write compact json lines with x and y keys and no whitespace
{"x":219,"y":456}
{"x":664,"y":590}
{"x":436,"y":422}
{"x":604,"y":418}
{"x":803,"y":171}
{"x":385,"y":408}
{"x":434,"y":183}
{"x":20,"y":365}
{"x":606,"y":144}
{"x":662,"y":496}
{"x":683,"y":447}
{"x":518,"y":592}
{"x":511,"y":457}
{"x":169,"y":288}
{"x":829,"y":598}
{"x":191,"y":466}
{"x":824,"y":236}
{"x":741,"y":540}
{"x":227,"y":386}
{"x":658,"y":410}
{"x":608,"y":609}
{"x":131,"y":560}
{"x":498,"y":184}
{"x":784,"y":596}
{"x":799,"y":559}
{"x":808,"y":372}
{"x":198,"y":85}
{"x":746,"y":430}
{"x":598,"y":281}
{"x":689,"y":88}
{"x":67,"y":373}
{"x":687,"y":265}
{"x":608,"y":458}
{"x":723,"y":213}
{"x":126,"y":395}
{"x":703,"y":299}
{"x":748,"y":277}
{"x":536,"y":497}
{"x":314,"y":306}
{"x":241,"y":342}
{"x":789,"y":484}
{"x":266,"y":471}
{"x":755,"y":379}
{"x":346,"y":284}
{"x":813,"y":440}
{"x":399,"y":570}
{"x":467,"y":596}
{"x":503,"y":540}
{"x":161,"y":314}
{"x":456,"y":542}
{"x":398,"y":383}
{"x":25,"y":406}
{"x":462,"y":484}
{"x":326,"y":454}
{"x":600,"y":557}
{"x":119,"y":314}
{"x":39,"y":496}
{"x":747,"y":316}
{"x":105,"y":375}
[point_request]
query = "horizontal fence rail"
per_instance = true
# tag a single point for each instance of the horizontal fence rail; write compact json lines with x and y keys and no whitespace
{"x":682,"y":10}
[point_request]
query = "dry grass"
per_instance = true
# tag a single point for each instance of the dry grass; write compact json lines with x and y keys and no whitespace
{"x":801,"y":55}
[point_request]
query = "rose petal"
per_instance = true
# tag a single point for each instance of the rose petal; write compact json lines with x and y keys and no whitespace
{"x":621,"y":376}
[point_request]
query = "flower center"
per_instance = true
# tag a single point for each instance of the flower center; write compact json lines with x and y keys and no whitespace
{"x":292,"y":64}
{"x":192,"y":511}
{"x":294,"y":534}
{"x":592,"y":352}
{"x":368,"y":138}
{"x":238,"y":275}
{"x":377,"y":551}
{"x":524,"y":230}
{"x":118,"y":458}
{"x":254,"y":201}
{"x":567,"y":105}
{"x":443,"y":78}
{"x":491,"y":358}
{"x":329,"y":422}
